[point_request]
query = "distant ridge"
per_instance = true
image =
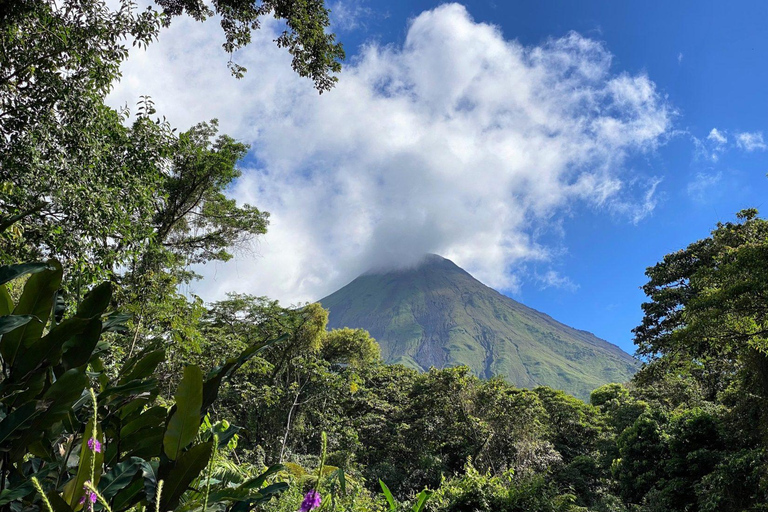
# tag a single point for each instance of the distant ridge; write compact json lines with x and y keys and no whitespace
{"x":436,"y":314}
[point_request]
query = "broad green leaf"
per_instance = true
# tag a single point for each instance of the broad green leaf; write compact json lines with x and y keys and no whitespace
{"x":128,"y":411}
{"x":145,"y":366}
{"x":149,"y":472}
{"x":95,"y":301}
{"x":126,"y":390}
{"x":185,"y":421}
{"x":388,"y":496}
{"x":130,"y":495}
{"x":56,"y":404}
{"x":37,"y":300}
{"x":15,"y":394}
{"x":146,"y":443}
{"x":273,"y":489}
{"x":59,"y":307}
{"x":116,"y":322}
{"x":12,"y":425}
{"x":62,"y":394}
{"x":11,"y":272}
{"x":256,"y":482}
{"x":262,"y":496}
{"x":49,"y":347}
{"x":119,"y":477}
{"x":78,"y":350}
{"x":421,"y":500}
{"x":178,"y":477}
{"x":224,"y":436}
{"x":342,"y":481}
{"x":11,"y":322}
{"x":9,"y":495}
{"x":22,"y":488}
{"x":6,"y":303}
{"x":57,"y":503}
{"x":228,"y":495}
{"x":154,"y":417}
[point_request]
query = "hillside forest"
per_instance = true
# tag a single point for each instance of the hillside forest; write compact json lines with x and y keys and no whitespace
{"x":120,"y":392}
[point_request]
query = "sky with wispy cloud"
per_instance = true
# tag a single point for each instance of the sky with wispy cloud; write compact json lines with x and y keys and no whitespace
{"x":552,"y":149}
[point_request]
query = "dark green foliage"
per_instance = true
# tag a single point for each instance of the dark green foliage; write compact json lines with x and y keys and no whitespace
{"x":135,"y":204}
{"x":48,"y":411}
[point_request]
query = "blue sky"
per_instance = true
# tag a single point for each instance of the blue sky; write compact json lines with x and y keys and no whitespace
{"x":561,"y":217}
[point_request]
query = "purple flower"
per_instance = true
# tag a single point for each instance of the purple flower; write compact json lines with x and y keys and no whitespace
{"x":89,"y":496}
{"x":311,"y":501}
{"x":94,"y":445}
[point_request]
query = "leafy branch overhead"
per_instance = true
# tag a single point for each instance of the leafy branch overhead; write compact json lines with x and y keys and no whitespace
{"x":316,"y":54}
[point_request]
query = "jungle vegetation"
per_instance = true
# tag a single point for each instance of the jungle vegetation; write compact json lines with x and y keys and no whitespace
{"x":118,"y":392}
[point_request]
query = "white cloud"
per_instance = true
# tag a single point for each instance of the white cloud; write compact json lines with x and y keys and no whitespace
{"x":680,"y":57}
{"x":750,"y":141}
{"x":458,"y":142}
{"x":713,"y":146}
{"x":717,"y":137}
{"x":348,"y":15}
{"x":703,"y":185}
{"x":553,"y":279}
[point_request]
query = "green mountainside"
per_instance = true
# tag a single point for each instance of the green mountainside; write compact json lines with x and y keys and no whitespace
{"x":436,"y":314}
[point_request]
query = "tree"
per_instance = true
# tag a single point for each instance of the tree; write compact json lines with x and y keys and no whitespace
{"x":74,"y":176}
{"x":82,"y":186}
{"x":709,"y":309}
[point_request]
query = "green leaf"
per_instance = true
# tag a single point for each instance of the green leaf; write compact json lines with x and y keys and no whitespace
{"x":37,"y":300}
{"x":55,"y":404}
{"x":273,"y":489}
{"x":116,"y":322}
{"x":228,"y":495}
{"x":95,"y":301}
{"x":49,"y":347}
{"x":342,"y":480}
{"x":11,"y":322}
{"x":224,"y":436}
{"x":262,"y":496}
{"x":421,"y":500}
{"x":13,"y":425}
{"x":9,"y":495}
{"x":78,"y":350}
{"x":132,"y":388}
{"x":149,"y":472}
{"x":59,"y":307}
{"x":257,"y":482}
{"x":129,"y":496}
{"x":11,"y":272}
{"x":187,"y":468}
{"x":154,"y":417}
{"x":119,"y":477}
{"x":146,"y":443}
{"x":185,"y":421}
{"x":63,"y":394}
{"x":145,"y":366}
{"x":6,"y":303}
{"x":388,"y":496}
{"x":57,"y":503}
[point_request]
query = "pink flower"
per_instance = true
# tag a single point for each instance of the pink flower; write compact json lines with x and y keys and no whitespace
{"x":94,"y":445}
{"x":311,"y":501}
